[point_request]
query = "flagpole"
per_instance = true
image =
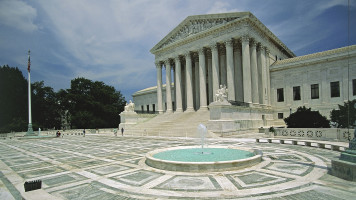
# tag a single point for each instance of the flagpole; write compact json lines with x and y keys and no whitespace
{"x":29,"y":130}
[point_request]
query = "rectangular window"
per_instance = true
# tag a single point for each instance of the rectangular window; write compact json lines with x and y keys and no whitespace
{"x":314,"y":88}
{"x":335,"y":89}
{"x":296,"y":93}
{"x":280,"y":115}
{"x":142,"y":108}
{"x":354,"y":87}
{"x":280,"y":95}
{"x":148,"y":108}
{"x":153,"y":107}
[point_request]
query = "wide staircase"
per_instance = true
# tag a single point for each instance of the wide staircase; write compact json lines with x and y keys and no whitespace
{"x":172,"y":125}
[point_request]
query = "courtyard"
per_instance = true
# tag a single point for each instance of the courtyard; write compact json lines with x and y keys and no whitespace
{"x":109,"y":167}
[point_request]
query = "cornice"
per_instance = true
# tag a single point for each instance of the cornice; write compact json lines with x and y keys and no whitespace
{"x":324,"y":56}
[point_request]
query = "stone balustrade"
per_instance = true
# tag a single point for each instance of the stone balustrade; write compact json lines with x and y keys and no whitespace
{"x":344,"y":135}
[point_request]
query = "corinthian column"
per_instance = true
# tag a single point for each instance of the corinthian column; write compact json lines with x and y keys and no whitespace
{"x":202,"y":78}
{"x":230,"y":69}
{"x":178,"y":78}
{"x":254,"y":74}
{"x":268,"y":77}
{"x":263,"y":89}
{"x":215,"y":67}
{"x":168,"y":86}
{"x":159,"y":87}
{"x":189,"y":83}
{"x":246,"y":69}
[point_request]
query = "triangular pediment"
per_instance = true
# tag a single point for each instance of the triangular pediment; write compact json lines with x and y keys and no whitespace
{"x":196,"y":24}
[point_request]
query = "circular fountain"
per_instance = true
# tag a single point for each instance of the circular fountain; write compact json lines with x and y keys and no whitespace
{"x":200,"y":159}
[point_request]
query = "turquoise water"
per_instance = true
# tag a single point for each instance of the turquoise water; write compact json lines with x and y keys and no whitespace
{"x":208,"y":155}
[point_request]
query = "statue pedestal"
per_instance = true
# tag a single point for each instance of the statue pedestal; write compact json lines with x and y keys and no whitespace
{"x":345,"y":167}
{"x":227,"y":119}
{"x":128,"y":119}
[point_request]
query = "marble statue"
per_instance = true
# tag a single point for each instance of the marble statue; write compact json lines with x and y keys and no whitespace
{"x":221,"y":94}
{"x":130,"y":107}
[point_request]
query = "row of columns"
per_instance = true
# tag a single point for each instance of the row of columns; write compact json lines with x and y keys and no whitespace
{"x":255,"y":69}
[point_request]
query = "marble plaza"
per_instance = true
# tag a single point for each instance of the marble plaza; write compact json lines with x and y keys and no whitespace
{"x":109,"y":167}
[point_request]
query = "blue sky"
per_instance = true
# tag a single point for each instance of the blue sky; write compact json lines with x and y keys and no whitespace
{"x":110,"y":40}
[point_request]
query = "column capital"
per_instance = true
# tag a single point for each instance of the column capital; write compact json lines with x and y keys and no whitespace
{"x":245,"y":38}
{"x":177,"y":58}
{"x":167,"y":62}
{"x":254,"y":43}
{"x":260,"y":47}
{"x":214,"y":47}
{"x":158,"y":64}
{"x":263,"y":48}
{"x":229,"y":43}
{"x":187,"y":54}
{"x":201,"y":51}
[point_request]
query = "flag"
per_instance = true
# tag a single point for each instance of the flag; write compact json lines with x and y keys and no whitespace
{"x":29,"y":62}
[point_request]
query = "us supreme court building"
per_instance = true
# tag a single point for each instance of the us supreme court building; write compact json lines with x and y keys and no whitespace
{"x":236,"y":50}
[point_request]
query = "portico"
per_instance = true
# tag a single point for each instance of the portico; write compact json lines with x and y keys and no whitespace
{"x":205,"y":51}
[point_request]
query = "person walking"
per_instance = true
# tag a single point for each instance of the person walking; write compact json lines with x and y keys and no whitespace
{"x":122,"y":131}
{"x":84,"y":133}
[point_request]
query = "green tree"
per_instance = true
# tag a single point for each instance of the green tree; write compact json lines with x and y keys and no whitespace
{"x":13,"y":100}
{"x":45,"y":107}
{"x":93,"y":104}
{"x":345,"y":116}
{"x":305,"y":118}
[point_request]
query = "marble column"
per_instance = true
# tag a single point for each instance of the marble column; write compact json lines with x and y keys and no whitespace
{"x":259,"y":72}
{"x":230,"y":69}
{"x":168,"y":87}
{"x":215,"y":67}
{"x":196,"y":84}
{"x":246,"y":69}
{"x":254,"y":74}
{"x":202,"y":78}
{"x":159,"y":87}
{"x":268,"y":77}
{"x":178,"y":78}
{"x":210,"y":80}
{"x":239,"y":95}
{"x":189,"y":82}
{"x":174,"y":97}
{"x":222,"y":66}
{"x":263,"y":90}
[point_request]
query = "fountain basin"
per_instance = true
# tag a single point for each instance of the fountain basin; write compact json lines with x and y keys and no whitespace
{"x":193,"y":159}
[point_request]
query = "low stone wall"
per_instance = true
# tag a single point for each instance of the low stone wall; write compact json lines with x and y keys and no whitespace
{"x":315,"y":133}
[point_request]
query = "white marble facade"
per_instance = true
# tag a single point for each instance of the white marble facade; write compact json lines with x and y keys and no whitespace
{"x":315,"y":72}
{"x":237,"y":50}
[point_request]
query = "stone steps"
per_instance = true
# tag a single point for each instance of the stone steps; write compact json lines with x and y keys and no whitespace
{"x":173,"y":124}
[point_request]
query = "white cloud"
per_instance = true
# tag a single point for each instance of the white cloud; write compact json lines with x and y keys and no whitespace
{"x":18,"y":14}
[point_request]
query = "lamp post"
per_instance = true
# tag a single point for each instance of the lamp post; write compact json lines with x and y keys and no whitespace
{"x":29,"y":130}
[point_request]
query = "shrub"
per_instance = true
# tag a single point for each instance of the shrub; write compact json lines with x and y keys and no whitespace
{"x":305,"y":118}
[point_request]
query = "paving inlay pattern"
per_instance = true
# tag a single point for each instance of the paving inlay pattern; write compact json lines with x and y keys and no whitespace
{"x":108,"y":167}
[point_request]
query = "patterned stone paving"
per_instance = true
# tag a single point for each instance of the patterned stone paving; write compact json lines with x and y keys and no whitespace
{"x":108,"y":167}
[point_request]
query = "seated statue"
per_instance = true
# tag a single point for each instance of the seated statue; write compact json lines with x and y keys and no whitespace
{"x":130,"y":107}
{"x":221,"y":94}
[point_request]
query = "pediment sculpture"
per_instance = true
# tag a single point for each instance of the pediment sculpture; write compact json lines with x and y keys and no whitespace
{"x":196,"y":26}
